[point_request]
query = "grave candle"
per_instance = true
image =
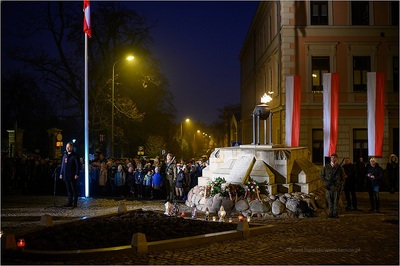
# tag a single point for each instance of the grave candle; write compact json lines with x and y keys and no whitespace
{"x":21,"y":243}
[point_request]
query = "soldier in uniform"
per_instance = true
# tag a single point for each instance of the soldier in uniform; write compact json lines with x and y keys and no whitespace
{"x":333,"y":176}
{"x":170,"y":173}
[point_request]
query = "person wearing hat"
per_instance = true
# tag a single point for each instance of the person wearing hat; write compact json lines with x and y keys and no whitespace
{"x":333,"y":176}
{"x":374,"y":175}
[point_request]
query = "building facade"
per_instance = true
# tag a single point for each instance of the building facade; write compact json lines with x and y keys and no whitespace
{"x":308,"y":39}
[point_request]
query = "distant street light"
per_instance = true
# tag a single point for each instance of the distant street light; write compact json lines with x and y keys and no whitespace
{"x":129,"y":58}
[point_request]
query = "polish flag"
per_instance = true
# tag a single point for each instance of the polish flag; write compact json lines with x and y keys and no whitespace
{"x":87,"y":27}
{"x":331,"y":83}
{"x":293,"y":100}
{"x":376,"y":112}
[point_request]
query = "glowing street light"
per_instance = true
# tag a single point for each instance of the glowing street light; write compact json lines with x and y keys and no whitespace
{"x":129,"y":58}
{"x":187,"y":120}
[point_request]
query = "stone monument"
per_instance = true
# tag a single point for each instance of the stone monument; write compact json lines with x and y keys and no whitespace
{"x":283,"y":169}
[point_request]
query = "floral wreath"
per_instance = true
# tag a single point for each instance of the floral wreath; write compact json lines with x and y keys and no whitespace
{"x":249,"y":190}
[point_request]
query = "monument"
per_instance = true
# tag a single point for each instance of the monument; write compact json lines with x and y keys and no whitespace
{"x":282,"y":169}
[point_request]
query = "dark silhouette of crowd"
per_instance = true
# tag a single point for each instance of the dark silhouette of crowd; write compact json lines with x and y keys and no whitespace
{"x":139,"y":177}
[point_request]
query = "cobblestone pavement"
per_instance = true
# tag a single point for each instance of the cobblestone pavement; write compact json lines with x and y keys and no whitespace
{"x":357,"y":237}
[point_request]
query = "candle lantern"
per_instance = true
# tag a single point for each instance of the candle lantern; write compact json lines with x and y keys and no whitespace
{"x":168,"y":208}
{"x":221,"y":214}
{"x":207,"y":215}
{"x":175,"y":209}
{"x":230,"y":219}
{"x":214,"y":218}
{"x":194,"y":211}
{"x":248,"y":218}
{"x":240,"y":218}
{"x":21,"y":243}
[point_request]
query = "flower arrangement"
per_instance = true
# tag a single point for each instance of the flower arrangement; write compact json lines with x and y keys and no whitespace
{"x":234,"y":190}
{"x":252,"y":189}
{"x":249,"y":190}
{"x":215,"y":187}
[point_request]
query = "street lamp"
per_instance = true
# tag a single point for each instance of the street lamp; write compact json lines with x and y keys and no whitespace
{"x":129,"y":58}
{"x":187,"y":120}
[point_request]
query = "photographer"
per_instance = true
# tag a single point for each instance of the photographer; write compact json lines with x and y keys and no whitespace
{"x":333,"y":175}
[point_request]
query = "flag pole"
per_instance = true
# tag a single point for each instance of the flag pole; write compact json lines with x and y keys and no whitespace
{"x":86,"y":122}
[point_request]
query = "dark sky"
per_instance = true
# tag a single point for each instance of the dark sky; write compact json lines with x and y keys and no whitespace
{"x":198,"y":44}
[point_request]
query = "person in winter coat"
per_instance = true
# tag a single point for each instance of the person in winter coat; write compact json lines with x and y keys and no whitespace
{"x":147,"y":184}
{"x":171,"y":174}
{"x":156,"y":183}
{"x":138,"y":177}
{"x":374,"y":175}
{"x":333,"y":177}
{"x":70,"y":167}
{"x":392,"y":171}
{"x":350,"y":184}
{"x":103,"y":179}
{"x":120,"y":179}
{"x":179,"y":183}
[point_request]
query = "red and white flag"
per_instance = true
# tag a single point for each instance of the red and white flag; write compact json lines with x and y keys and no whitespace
{"x":376,"y":112}
{"x":292,"y":119}
{"x":331,"y":84}
{"x":87,"y":27}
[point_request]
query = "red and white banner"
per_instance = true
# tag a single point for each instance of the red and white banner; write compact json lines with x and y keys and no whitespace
{"x":292,"y":119}
{"x":331,"y":84}
{"x":87,"y":27}
{"x":376,"y":112}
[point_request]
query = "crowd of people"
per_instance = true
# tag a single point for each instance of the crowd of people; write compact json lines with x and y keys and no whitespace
{"x":351,"y":177}
{"x":139,"y":177}
{"x":169,"y":178}
{"x":144,"y":178}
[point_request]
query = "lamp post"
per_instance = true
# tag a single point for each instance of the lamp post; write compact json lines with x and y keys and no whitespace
{"x":129,"y":58}
{"x":187,"y":120}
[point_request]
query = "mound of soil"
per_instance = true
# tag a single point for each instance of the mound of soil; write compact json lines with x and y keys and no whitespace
{"x":117,"y":230}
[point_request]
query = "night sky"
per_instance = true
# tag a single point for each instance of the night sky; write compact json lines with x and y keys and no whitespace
{"x":198,"y":44}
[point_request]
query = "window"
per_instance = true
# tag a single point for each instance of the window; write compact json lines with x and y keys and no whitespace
{"x":359,"y":12}
{"x":360,"y":144}
{"x":395,"y":70}
{"x":319,"y":12}
{"x":361,"y":65}
{"x":317,"y":146}
{"x":395,"y":13}
{"x":320,"y":65}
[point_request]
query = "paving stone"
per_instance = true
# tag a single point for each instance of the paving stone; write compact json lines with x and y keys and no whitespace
{"x":353,"y":238}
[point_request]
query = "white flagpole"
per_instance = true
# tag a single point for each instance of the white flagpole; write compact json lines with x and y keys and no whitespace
{"x":86,"y":122}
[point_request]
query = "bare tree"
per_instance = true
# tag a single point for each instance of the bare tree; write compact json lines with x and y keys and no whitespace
{"x":117,"y":31}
